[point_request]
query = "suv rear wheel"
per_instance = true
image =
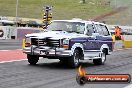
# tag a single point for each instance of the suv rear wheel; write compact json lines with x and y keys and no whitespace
{"x":101,"y":60}
{"x":32,"y":59}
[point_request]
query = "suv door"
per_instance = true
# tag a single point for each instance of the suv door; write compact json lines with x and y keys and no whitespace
{"x":91,"y":43}
{"x":104,"y":36}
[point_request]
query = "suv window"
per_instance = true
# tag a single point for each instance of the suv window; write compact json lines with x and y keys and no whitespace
{"x":102,"y":29}
{"x":105,"y":30}
{"x":76,"y":27}
{"x":90,"y":29}
{"x":67,"y":26}
{"x":99,"y":29}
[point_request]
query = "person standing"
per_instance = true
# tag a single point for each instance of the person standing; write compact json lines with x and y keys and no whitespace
{"x":117,"y":33}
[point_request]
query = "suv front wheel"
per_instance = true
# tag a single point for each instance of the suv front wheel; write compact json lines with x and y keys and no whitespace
{"x":101,"y":60}
{"x":32,"y":59}
{"x":74,"y":59}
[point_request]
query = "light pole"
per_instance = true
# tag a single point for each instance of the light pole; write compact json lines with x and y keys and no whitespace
{"x":16,"y":10}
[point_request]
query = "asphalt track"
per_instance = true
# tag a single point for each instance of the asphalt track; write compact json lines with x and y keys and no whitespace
{"x":10,"y":44}
{"x":53,"y":74}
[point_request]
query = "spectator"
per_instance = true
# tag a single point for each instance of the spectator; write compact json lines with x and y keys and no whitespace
{"x":117,"y":33}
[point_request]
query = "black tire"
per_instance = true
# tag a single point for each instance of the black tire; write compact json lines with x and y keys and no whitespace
{"x":73,"y":61}
{"x":32,"y":59}
{"x":64,"y":60}
{"x":101,"y":60}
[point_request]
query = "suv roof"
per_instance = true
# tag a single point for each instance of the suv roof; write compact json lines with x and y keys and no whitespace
{"x":99,"y":23}
{"x":82,"y":21}
{"x":79,"y":20}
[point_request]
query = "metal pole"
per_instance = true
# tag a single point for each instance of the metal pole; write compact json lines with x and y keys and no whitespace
{"x":47,"y":13}
{"x":16,"y":10}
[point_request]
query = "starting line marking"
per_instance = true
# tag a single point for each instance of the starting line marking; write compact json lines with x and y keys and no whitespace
{"x":26,"y":59}
{"x":122,"y":49}
{"x":12,"y":61}
{"x":113,"y":50}
{"x":10,"y":50}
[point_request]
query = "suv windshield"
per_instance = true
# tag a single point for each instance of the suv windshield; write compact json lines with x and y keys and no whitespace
{"x":67,"y":26}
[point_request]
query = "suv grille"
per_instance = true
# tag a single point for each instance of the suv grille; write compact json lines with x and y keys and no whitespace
{"x":46,"y":42}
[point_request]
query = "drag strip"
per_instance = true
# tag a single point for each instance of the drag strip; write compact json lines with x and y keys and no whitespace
{"x":10,"y":44}
{"x":11,"y":55}
{"x":53,"y":74}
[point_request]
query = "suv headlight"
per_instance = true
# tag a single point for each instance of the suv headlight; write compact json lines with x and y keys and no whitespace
{"x":66,"y":43}
{"x":27,"y":42}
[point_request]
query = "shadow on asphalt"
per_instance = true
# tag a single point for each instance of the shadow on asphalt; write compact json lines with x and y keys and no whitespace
{"x":59,"y":65}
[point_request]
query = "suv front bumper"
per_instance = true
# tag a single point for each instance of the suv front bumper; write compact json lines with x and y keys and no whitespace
{"x":47,"y":51}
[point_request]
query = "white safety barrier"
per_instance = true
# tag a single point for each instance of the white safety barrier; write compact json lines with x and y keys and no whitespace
{"x":127,"y":37}
{"x":6,"y":31}
{"x":9,"y":32}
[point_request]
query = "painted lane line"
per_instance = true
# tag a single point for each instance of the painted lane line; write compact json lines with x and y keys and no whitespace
{"x":12,"y":55}
{"x":129,"y":86}
{"x":10,"y":50}
{"x":4,"y":50}
{"x":13,"y":61}
{"x":122,"y":49}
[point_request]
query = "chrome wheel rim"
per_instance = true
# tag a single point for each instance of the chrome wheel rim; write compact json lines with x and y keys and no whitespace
{"x":76,"y":59}
{"x":103,"y":57}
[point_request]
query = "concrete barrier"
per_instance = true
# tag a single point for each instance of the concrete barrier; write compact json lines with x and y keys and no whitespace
{"x":6,"y":32}
{"x":118,"y":45}
{"x":22,"y":31}
{"x":23,"y":43}
{"x":127,"y":43}
{"x":3,"y":34}
{"x":9,"y":32}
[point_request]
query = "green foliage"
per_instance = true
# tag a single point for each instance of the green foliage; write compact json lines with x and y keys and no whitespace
{"x":62,"y":9}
